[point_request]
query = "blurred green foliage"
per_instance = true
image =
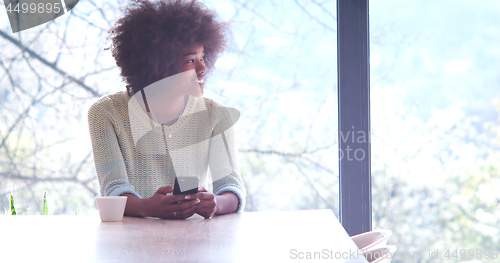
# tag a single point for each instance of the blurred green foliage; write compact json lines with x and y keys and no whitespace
{"x":12,"y":207}
{"x":45,"y":208}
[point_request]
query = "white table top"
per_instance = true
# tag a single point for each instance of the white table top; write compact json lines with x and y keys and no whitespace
{"x":243,"y":237}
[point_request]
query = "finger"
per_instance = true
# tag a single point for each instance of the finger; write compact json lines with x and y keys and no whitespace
{"x":165,"y":190}
{"x":183,"y":205}
{"x":169,"y":188}
{"x":188,"y":204}
{"x":177,"y":198}
{"x":185,"y":213}
{"x":207,"y":216}
{"x":201,"y":189}
{"x":205,"y":196}
{"x":203,"y":206}
{"x":205,"y":213}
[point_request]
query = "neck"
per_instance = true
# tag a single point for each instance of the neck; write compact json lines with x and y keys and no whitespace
{"x":172,"y":109}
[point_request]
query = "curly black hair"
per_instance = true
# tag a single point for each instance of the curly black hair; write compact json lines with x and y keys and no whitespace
{"x":147,"y":41}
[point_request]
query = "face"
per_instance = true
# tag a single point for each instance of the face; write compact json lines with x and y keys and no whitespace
{"x":194,"y":58}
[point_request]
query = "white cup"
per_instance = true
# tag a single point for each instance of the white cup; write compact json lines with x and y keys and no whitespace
{"x":111,"y":208}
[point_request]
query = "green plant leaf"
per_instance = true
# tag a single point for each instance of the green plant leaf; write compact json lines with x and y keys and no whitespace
{"x":45,"y":209}
{"x":12,"y":208}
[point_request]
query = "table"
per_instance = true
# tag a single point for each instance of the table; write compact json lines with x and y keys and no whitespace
{"x":243,"y":237}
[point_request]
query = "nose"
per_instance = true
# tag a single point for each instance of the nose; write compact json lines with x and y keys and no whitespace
{"x":201,"y":69}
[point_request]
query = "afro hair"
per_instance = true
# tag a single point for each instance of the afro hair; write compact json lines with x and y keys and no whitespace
{"x":147,"y":41}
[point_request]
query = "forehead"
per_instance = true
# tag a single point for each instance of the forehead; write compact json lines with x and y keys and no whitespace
{"x":197,"y":50}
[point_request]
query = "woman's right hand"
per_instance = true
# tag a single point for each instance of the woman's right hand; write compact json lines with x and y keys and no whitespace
{"x":166,"y":206}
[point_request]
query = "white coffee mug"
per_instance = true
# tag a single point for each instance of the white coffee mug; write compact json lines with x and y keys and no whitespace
{"x":111,"y":208}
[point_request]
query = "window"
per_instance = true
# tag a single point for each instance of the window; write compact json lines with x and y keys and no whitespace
{"x":279,"y":71}
{"x":435,"y":122}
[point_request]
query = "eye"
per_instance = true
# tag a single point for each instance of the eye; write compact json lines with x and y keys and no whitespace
{"x":202,"y":59}
{"x":190,"y":61}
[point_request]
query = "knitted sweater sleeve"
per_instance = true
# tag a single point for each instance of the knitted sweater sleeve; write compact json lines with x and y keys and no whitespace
{"x":108,"y":158}
{"x":223,"y":161}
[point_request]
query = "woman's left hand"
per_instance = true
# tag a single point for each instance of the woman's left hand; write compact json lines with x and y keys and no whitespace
{"x":207,"y":205}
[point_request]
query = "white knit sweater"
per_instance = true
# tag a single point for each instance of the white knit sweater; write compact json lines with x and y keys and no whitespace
{"x":162,"y":152}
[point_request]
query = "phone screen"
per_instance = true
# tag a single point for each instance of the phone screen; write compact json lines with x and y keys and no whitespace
{"x":185,"y":185}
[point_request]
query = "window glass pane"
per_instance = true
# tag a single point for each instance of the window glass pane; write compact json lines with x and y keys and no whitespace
{"x":279,"y":71}
{"x":435,"y":103}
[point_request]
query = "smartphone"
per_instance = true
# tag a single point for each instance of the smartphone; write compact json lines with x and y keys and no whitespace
{"x":185,"y":185}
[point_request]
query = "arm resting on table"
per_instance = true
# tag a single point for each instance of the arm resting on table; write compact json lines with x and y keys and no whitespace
{"x":226,"y":203}
{"x":135,"y":206}
{"x":108,"y":157}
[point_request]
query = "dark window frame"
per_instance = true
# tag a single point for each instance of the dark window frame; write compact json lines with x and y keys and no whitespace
{"x":353,"y":72}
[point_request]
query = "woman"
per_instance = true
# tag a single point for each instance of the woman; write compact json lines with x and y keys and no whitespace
{"x":138,"y":151}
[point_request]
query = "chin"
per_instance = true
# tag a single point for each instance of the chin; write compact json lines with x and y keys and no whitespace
{"x":202,"y":90}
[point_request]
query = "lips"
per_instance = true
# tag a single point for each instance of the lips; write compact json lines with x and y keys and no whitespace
{"x":201,"y":82}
